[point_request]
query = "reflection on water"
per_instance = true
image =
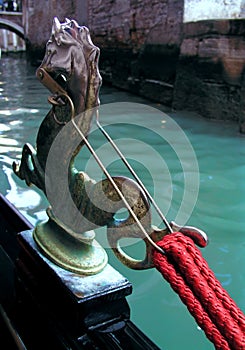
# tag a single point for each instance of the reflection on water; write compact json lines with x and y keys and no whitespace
{"x":219,"y":209}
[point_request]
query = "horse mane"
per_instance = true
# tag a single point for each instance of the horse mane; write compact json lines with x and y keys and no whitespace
{"x":84,"y":56}
{"x":70,"y":31}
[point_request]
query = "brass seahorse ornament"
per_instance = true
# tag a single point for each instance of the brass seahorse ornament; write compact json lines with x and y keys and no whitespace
{"x":70,"y":71}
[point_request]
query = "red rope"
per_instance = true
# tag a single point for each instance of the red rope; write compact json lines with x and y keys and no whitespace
{"x":190,"y":276}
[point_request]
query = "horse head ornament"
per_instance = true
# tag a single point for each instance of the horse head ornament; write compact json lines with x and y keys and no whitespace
{"x":70,"y":71}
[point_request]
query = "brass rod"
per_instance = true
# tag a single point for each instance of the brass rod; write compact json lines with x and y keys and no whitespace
{"x":138,"y":180}
{"x":109,"y":177}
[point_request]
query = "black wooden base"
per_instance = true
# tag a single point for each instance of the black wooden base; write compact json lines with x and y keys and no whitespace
{"x":47,"y":307}
{"x":75,"y":301}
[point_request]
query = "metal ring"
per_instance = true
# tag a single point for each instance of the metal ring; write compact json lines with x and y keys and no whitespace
{"x":54,"y":102}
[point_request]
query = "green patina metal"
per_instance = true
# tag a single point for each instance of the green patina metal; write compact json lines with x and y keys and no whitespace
{"x":70,"y":71}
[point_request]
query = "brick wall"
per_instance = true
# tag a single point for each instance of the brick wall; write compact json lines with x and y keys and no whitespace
{"x":139,"y":39}
{"x":139,"y":42}
{"x":38,"y":18}
{"x":210,"y":73}
{"x":132,"y":23}
{"x":147,"y":49}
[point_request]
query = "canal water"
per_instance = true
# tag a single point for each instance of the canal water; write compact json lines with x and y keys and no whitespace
{"x":195,"y":169}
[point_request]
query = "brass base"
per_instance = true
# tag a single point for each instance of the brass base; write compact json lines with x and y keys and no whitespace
{"x":68,"y":252}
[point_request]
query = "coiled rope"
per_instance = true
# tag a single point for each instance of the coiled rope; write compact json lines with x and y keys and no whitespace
{"x":190,"y":276}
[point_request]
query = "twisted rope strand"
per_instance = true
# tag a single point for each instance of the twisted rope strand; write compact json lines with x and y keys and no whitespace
{"x":214,"y":284}
{"x":190,"y":276}
{"x":178,"y":284}
{"x":218,"y":314}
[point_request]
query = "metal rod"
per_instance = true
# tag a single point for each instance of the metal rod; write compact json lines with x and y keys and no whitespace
{"x":107,"y":174}
{"x":138,"y":180}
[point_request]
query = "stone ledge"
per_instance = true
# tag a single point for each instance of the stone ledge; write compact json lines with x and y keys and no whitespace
{"x":214,"y":27}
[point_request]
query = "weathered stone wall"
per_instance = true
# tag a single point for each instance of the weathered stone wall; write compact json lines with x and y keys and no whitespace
{"x":38,"y":17}
{"x":131,"y":23}
{"x":147,"y":49}
{"x":210,"y":68}
{"x":139,"y":43}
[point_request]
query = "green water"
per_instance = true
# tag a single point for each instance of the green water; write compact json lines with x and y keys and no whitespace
{"x":219,"y":209}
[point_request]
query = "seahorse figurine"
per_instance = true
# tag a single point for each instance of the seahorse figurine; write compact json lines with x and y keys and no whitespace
{"x":70,"y":71}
